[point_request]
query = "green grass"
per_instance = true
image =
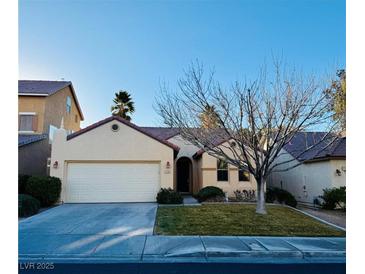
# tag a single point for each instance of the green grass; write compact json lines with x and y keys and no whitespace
{"x":238,"y":220}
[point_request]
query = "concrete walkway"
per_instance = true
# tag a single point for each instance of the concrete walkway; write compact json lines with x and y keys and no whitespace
{"x":332,"y":216}
{"x":118,"y":248}
{"x":190,"y":200}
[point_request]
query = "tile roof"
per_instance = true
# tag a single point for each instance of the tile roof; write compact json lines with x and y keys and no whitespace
{"x":218,"y":136}
{"x":41,"y":87}
{"x":298,"y":144}
{"x":323,"y":150}
{"x":24,"y":139}
{"x":163,"y":133}
{"x":111,"y":118}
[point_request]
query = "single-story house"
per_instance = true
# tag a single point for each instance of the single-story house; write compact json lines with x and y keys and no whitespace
{"x":317,"y":166}
{"x":115,"y":160}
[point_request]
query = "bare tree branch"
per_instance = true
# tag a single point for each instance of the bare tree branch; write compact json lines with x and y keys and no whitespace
{"x":255,"y":120}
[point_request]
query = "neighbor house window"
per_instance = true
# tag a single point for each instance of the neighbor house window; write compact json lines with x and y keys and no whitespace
{"x":76,"y":118}
{"x":243,"y":175}
{"x":27,"y":122}
{"x":68,"y":104}
{"x":222,"y":170}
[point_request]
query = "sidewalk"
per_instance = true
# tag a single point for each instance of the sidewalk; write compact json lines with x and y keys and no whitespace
{"x":114,"y":248}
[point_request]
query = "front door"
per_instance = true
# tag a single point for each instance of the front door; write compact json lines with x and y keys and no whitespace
{"x":183,"y":166}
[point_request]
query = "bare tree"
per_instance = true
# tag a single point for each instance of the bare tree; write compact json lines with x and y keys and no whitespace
{"x":255,"y":120}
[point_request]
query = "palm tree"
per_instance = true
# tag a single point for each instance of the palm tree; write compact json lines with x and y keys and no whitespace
{"x":209,"y":117}
{"x":123,"y":105}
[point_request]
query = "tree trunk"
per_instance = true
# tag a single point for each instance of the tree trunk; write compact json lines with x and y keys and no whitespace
{"x":260,"y":206}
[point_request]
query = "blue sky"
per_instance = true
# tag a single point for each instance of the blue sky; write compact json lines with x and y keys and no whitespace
{"x":105,"y":46}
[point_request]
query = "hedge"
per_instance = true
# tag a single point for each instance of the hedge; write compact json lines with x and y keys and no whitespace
{"x":280,"y":195}
{"x":169,"y":196}
{"x":46,"y":189}
{"x":28,"y":205}
{"x":22,"y":181}
{"x":209,"y":192}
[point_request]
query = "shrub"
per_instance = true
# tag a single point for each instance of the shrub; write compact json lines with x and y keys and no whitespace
{"x":270,"y":195}
{"x":46,"y":189}
{"x":244,"y":195}
{"x":22,"y":180}
{"x":334,"y":197}
{"x":169,"y":196}
{"x":280,"y":195}
{"x":28,"y":205}
{"x":209,"y":193}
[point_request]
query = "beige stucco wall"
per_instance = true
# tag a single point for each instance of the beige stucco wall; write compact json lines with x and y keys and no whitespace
{"x":208,"y":176}
{"x":103,"y":145}
{"x":55,"y":109}
{"x":307,"y":181}
{"x":33,"y":104}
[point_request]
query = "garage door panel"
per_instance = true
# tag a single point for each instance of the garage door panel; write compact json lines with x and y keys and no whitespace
{"x":112,"y":182}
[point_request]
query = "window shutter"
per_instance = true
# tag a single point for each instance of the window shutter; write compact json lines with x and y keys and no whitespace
{"x":35,"y":123}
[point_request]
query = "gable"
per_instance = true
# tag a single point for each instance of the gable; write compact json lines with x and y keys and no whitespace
{"x":186,"y":148}
{"x":102,"y":129}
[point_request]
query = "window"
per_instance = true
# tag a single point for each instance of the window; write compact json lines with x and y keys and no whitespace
{"x":27,"y":122}
{"x":243,"y":175}
{"x":68,"y":104}
{"x":222,"y":170}
{"x":76,"y":118}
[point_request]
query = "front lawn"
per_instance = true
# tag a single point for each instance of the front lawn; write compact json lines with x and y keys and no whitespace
{"x":238,"y":220}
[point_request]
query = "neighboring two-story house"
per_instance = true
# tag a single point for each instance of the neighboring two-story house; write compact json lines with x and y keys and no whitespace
{"x":42,"y":107}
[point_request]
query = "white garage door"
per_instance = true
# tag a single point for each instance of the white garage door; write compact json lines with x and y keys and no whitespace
{"x":112,"y":182}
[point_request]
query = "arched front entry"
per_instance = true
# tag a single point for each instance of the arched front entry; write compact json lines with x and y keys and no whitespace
{"x":184,"y":175}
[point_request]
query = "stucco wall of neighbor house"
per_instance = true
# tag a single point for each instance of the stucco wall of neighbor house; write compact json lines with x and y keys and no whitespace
{"x":187,"y":150}
{"x":208,"y":176}
{"x":307,"y":181}
{"x":34,"y":104}
{"x":55,"y":109}
{"x":101,"y":144}
{"x":32,"y":158}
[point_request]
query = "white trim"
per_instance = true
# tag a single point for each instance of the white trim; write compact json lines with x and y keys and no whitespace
{"x":33,"y":94}
{"x":27,"y":113}
{"x":26,"y":131}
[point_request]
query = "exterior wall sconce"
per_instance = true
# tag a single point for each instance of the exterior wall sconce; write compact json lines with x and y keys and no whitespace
{"x":55,"y":164}
{"x":168,"y":165}
{"x":338,"y":172}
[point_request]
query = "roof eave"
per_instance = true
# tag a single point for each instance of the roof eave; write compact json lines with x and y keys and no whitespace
{"x":33,"y":94}
{"x":322,"y":159}
{"x":77,"y":101}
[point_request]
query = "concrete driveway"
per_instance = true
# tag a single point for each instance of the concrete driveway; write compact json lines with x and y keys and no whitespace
{"x":129,"y":219}
{"x":80,"y":228}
